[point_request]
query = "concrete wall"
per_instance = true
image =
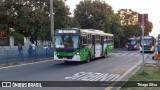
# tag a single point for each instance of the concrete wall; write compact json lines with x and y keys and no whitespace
{"x":26,"y":44}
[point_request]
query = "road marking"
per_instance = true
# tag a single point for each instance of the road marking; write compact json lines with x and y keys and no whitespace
{"x":25,"y":64}
{"x":90,"y":76}
{"x":130,"y":55}
{"x":124,"y":54}
{"x":121,"y":77}
{"x":96,"y":78}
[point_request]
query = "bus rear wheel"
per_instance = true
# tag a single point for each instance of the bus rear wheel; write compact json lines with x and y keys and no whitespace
{"x":88,"y":58}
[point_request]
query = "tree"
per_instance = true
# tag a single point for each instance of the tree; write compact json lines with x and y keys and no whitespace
{"x":130,"y":25}
{"x":128,"y":17}
{"x":61,"y":14}
{"x":148,"y":28}
{"x":31,"y":18}
{"x":93,"y":14}
{"x":98,"y":15}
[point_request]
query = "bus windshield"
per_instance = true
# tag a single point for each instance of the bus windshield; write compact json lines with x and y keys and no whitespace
{"x":66,"y":41}
{"x":132,"y":42}
{"x":147,"y":42}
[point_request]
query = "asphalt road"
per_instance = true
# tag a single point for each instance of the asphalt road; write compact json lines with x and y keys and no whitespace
{"x":102,"y":69}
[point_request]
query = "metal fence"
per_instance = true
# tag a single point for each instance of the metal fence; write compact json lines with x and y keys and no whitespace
{"x":8,"y":56}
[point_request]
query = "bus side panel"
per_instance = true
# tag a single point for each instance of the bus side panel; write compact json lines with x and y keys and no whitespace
{"x":84,"y":52}
{"x":98,"y":50}
{"x":110,"y":47}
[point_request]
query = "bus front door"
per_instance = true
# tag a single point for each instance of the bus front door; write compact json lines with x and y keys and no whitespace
{"x":93,"y":45}
{"x":102,"y":45}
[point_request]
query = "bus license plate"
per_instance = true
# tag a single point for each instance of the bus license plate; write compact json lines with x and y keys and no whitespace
{"x":64,"y":58}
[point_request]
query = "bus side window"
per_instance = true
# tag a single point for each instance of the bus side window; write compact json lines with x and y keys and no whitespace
{"x":84,"y":40}
{"x":81,"y":41}
{"x":98,"y":39}
{"x":89,"y":39}
{"x":112,"y":39}
{"x":106,"y":39}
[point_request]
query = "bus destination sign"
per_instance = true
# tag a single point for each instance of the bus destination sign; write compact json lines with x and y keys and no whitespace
{"x":67,"y":31}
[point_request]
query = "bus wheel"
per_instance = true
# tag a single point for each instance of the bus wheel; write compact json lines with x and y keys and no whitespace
{"x":88,"y":58}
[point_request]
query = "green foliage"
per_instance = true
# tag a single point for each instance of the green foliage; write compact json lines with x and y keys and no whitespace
{"x":17,"y":35}
{"x":128,"y":17}
{"x":93,"y":14}
{"x":148,"y":28}
{"x":130,"y":25}
{"x":98,"y":15}
{"x":31,"y":18}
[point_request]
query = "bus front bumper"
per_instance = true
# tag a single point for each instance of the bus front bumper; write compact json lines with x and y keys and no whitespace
{"x":75,"y":58}
{"x":150,"y":50}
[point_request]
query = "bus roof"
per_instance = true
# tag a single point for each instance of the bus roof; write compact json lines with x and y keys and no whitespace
{"x":132,"y":38}
{"x":147,"y":37}
{"x":95,"y":31}
{"x":91,"y":31}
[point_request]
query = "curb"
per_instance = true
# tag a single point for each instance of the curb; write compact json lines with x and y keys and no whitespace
{"x":17,"y":64}
{"x":126,"y":73}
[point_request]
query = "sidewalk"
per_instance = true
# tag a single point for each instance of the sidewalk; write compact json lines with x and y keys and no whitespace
{"x":24,"y":62}
{"x":150,"y":61}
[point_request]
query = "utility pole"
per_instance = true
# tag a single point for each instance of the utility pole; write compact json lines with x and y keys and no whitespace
{"x":142,"y":19}
{"x":143,"y":39}
{"x":52,"y":21}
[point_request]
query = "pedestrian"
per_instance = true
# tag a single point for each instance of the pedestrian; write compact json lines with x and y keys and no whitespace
{"x":30,"y":50}
{"x":45,"y":50}
{"x":34,"y":50}
{"x":33,"y":47}
{"x":45,"y":47}
{"x":20,"y":51}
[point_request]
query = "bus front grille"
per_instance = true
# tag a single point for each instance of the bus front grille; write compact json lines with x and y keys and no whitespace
{"x":147,"y":48}
{"x":68,"y":57}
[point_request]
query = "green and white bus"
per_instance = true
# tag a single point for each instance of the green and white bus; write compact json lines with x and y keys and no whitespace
{"x":149,"y":43}
{"x":72,"y":44}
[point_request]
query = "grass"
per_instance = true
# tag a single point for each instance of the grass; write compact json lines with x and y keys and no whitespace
{"x":150,"y":74}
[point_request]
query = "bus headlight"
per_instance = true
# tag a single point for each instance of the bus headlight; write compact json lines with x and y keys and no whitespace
{"x":152,"y":48}
{"x":55,"y":53}
{"x":135,"y":46}
{"x":77,"y":53}
{"x":140,"y":48}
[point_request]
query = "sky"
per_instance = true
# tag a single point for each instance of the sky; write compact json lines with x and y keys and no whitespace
{"x":150,"y":7}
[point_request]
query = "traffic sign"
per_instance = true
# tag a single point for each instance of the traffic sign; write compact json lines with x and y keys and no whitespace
{"x":142,"y":17}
